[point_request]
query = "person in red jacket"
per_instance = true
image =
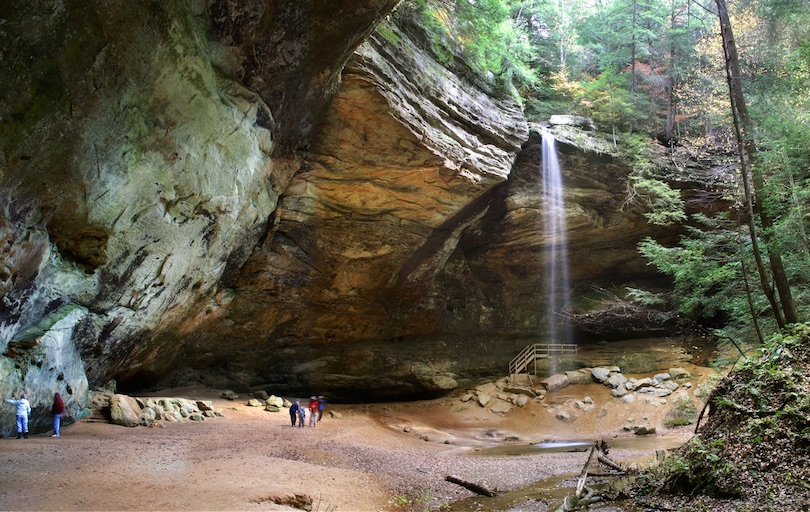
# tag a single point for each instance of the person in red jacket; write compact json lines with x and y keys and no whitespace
{"x":57,"y":409}
{"x":313,"y":411}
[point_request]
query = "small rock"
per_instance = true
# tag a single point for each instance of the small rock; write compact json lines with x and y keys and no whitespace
{"x":253,"y":403}
{"x":670,"y":385}
{"x":500,"y":407}
{"x":229,"y":395}
{"x":466,"y":397}
{"x":205,"y":405}
{"x":197,"y":417}
{"x":565,"y":417}
{"x":618,"y":392}
{"x":628,"y":398}
{"x":661,"y":377}
{"x":483,"y":399}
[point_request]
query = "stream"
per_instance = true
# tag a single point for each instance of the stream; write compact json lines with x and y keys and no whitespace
{"x":549,"y":493}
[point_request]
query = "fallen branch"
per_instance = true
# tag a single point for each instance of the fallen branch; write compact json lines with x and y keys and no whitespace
{"x":472,"y":486}
{"x":583,"y":476}
{"x":609,"y":463}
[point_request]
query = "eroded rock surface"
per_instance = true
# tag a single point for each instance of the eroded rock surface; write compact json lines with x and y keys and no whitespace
{"x":225,"y":192}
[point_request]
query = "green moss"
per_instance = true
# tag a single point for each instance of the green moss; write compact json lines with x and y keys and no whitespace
{"x":45,"y":324}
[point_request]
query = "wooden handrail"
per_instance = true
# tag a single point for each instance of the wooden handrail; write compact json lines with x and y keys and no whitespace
{"x":532,"y":352}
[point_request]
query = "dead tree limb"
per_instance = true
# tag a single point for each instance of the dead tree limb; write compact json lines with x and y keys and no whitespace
{"x":471,"y":486}
{"x":609,"y":463}
{"x":583,"y":476}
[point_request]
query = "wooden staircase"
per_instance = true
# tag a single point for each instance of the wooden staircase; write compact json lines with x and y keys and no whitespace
{"x":529,"y":356}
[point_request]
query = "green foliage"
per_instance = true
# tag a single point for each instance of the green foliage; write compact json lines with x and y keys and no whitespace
{"x":706,"y":271}
{"x":757,"y":438}
{"x":646,"y":188}
{"x":645,"y":298}
{"x":682,"y":413}
{"x":486,"y":34}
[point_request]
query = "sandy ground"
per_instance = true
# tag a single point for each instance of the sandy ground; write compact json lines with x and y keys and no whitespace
{"x":374,"y":457}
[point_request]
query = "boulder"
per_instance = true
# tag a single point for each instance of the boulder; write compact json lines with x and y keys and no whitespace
{"x":521,"y":400}
{"x":556,"y":382}
{"x":253,"y":403}
{"x":661,"y":377}
{"x":579,"y":376}
{"x":483,"y":399}
{"x":629,"y":398}
{"x":616,"y":380}
{"x":260,"y":395}
{"x":520,"y":390}
{"x":229,"y":395}
{"x":600,"y":374}
{"x":679,"y":373}
{"x":274,"y":401}
{"x":124,"y":410}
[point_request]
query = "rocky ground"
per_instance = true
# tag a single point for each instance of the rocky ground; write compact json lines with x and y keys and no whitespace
{"x":359,"y":457}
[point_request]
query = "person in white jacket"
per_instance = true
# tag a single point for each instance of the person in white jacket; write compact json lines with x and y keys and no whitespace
{"x":23,"y":410}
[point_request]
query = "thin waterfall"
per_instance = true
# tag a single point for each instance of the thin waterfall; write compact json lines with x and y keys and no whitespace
{"x":556,"y":237}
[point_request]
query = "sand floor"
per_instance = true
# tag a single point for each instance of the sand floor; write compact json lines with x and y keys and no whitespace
{"x":375,"y":457}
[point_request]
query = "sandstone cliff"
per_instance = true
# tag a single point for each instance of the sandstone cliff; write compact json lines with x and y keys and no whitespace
{"x":241,"y":194}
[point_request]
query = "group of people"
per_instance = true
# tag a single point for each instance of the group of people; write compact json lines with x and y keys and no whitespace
{"x":314,"y":410}
{"x":23,"y":411}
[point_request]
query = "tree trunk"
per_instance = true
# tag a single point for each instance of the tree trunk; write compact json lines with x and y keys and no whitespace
{"x":672,"y":82}
{"x":745,"y":138}
{"x":633,"y":52}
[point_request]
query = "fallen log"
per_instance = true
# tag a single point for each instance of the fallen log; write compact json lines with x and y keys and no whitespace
{"x":472,"y":486}
{"x":583,"y":476}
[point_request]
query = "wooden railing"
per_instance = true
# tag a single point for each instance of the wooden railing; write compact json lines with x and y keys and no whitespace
{"x":532,"y":353}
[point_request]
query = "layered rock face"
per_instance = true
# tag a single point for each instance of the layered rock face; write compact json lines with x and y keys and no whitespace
{"x":136,"y":170}
{"x":188,"y":194}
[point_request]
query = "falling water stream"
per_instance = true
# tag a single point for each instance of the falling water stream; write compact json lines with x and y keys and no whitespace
{"x":556,"y":237}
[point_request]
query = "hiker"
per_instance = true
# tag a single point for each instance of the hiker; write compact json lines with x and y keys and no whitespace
{"x":57,"y":409}
{"x":313,"y":411}
{"x":321,"y":404}
{"x":294,"y":412}
{"x":302,"y":416}
{"x":23,"y":410}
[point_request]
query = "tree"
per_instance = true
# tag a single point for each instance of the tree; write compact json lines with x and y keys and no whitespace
{"x":747,"y":152}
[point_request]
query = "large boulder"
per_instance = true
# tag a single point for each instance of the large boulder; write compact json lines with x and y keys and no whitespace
{"x":124,"y":410}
